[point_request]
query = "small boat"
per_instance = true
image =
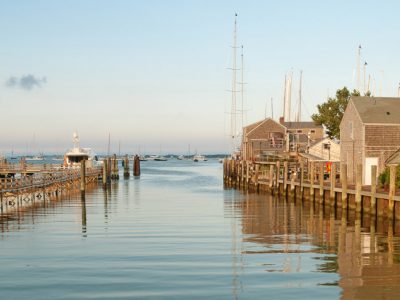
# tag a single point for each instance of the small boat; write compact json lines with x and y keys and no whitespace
{"x":199,"y":157}
{"x":36,"y":158}
{"x":143,"y":158}
{"x":181,"y":157}
{"x":160,"y":158}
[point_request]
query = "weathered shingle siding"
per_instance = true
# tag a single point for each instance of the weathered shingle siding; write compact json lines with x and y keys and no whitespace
{"x":381,"y":141}
{"x":351,"y":148}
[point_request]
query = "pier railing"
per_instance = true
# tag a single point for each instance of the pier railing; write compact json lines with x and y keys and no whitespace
{"x":43,"y":178}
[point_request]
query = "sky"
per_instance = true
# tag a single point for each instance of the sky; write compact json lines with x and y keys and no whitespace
{"x":154,"y":75}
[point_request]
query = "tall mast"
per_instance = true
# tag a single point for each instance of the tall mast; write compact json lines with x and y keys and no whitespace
{"x":284,"y":98}
{"x":365,"y":70}
{"x":288,"y":96}
{"x":108,"y":147}
{"x":233,"y":106}
{"x":298,"y":117}
{"x":242,"y":89}
{"x":358,"y":68}
{"x":272,"y":109}
{"x":398,"y":91}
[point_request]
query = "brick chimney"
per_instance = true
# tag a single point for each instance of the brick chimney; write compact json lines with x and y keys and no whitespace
{"x":282,"y":120}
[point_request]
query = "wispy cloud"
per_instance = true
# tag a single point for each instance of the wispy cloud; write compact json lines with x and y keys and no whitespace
{"x":26,"y":82}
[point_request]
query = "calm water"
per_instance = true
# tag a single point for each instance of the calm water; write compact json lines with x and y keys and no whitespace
{"x":175,"y":233}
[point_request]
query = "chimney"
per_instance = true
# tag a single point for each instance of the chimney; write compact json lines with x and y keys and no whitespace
{"x":282,"y":120}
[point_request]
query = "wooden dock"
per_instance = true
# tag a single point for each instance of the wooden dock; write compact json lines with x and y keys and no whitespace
{"x":23,"y":184}
{"x":312,"y":183}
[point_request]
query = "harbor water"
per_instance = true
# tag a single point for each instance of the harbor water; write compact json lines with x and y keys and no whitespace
{"x":177,"y":233}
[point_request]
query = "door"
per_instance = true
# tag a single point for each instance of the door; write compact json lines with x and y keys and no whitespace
{"x":369,"y":161}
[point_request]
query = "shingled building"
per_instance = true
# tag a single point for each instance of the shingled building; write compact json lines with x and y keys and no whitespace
{"x":369,"y":134}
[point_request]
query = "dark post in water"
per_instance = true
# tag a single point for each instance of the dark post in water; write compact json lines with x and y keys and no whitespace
{"x":126,"y":167}
{"x":83,"y":176}
{"x":136,"y":166}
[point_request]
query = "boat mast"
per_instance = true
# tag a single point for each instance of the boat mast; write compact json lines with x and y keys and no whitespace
{"x":242,"y":89}
{"x":272,"y":109}
{"x":358,"y":67}
{"x":298,"y":117}
{"x":233,"y":104}
{"x":108,"y":147}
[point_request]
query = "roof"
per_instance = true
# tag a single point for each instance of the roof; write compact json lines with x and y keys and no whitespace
{"x":323,"y":140}
{"x":394,"y":159}
{"x":251,"y":126}
{"x":378,"y":110}
{"x":296,"y":125}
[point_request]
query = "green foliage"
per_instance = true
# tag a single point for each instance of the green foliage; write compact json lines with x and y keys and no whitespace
{"x":384,"y":177}
{"x":331,"y":112}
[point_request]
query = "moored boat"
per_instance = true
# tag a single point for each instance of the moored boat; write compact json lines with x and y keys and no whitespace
{"x":199,"y":157}
{"x":74,"y":156}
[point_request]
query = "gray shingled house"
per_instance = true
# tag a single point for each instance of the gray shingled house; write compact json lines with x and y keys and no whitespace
{"x":369,"y":134}
{"x":266,"y":137}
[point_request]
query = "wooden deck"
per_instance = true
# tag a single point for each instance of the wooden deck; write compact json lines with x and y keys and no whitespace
{"x":313,"y":183}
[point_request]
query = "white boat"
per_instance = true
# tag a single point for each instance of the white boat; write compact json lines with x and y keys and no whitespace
{"x":160,"y":158}
{"x":36,"y":158}
{"x":74,"y":156}
{"x":199,"y":157}
{"x":181,"y":157}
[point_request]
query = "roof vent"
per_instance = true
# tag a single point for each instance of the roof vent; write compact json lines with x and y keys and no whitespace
{"x":388,"y":112}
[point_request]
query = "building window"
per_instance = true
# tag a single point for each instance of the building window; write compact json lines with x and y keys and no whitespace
{"x":351,"y":130}
{"x":312,"y":131}
{"x":299,"y":131}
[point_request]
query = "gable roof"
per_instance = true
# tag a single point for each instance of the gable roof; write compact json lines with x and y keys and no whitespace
{"x":251,"y":127}
{"x":298,"y":125}
{"x":394,"y":159}
{"x":377,"y":110}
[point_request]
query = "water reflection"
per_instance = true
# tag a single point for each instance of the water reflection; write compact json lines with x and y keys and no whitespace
{"x":83,"y":204}
{"x":362,"y":250}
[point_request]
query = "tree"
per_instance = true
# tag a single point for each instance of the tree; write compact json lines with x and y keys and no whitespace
{"x":331,"y":112}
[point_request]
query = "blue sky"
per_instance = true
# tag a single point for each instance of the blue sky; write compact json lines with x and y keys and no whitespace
{"x":154,"y":74}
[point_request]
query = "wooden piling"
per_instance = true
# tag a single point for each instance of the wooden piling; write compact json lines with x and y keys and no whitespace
{"x":256,"y":176}
{"x":358,"y":188}
{"x":126,"y":167}
{"x":136,"y":166}
{"x":278,"y":170}
{"x":321,"y":182}
{"x":343,"y":178}
{"x":83,"y":176}
{"x":285,"y":172}
{"x":373,"y":190}
{"x":301,"y":179}
{"x":332,"y":186}
{"x":392,"y":189}
{"x":311,"y":172}
{"x":105,"y":167}
{"x":271,"y":177}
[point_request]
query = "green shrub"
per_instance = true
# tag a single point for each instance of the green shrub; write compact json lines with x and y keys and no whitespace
{"x":384,"y":178}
